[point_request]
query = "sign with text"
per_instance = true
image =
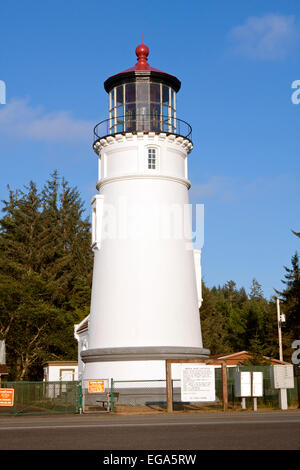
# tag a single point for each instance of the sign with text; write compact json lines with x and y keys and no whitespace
{"x":282,"y":376}
{"x":7,"y":396}
{"x":257,"y":384}
{"x":197,"y":382}
{"x":242,"y":384}
{"x":96,"y":386}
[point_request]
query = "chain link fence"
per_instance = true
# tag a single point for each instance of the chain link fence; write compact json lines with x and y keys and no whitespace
{"x":43,"y":398}
{"x":133,"y":395}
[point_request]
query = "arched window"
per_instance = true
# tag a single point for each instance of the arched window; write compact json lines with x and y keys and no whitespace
{"x":152,"y":163}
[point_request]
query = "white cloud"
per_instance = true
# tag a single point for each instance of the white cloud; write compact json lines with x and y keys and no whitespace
{"x":234,"y":189}
{"x":270,"y":37}
{"x":20,"y":120}
{"x":219,"y":187}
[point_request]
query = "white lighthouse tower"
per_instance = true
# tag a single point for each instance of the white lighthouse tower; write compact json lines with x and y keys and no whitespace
{"x":146,"y":288}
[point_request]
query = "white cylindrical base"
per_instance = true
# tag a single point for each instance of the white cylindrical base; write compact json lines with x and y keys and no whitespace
{"x":128,"y":372}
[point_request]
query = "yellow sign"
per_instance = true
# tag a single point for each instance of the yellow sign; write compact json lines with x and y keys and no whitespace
{"x":96,"y":386}
{"x":7,"y":397}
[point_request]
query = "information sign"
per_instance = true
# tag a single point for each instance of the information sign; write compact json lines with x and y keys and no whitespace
{"x":257,"y":384}
{"x":282,"y":376}
{"x":242,"y":384}
{"x":197,"y":382}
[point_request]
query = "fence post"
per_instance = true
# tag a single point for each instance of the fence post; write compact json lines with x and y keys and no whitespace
{"x":169,"y":387}
{"x":83,"y":397}
{"x":15,"y":399}
{"x":79,"y":397}
{"x":224,"y":386}
{"x":112,"y":401}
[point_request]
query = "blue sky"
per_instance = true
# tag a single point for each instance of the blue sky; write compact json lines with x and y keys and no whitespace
{"x":236,"y":61}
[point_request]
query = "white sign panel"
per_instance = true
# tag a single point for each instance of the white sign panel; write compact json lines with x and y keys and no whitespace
{"x":242,"y":384}
{"x":197,"y":382}
{"x":283,"y":376}
{"x":257,"y":384}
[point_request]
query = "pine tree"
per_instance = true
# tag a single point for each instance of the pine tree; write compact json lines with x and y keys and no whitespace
{"x":45,"y":274}
{"x":213,"y":323}
{"x":256,"y":292}
{"x":291,"y":304}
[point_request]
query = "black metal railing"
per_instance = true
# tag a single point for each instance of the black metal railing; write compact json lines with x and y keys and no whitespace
{"x":142,"y":123}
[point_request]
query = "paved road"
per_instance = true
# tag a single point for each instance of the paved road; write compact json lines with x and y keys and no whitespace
{"x":195,"y":431}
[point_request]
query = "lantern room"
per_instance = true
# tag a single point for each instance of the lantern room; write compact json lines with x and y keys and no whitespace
{"x":142,"y":99}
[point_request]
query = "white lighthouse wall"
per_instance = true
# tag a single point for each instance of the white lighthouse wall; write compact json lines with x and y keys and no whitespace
{"x":144,"y":280}
{"x":144,"y":285}
{"x":126,"y":374}
{"x":144,"y":290}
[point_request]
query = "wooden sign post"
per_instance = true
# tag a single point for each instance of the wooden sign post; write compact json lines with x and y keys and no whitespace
{"x":169,"y":387}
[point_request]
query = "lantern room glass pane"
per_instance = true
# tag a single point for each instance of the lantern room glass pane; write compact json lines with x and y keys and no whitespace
{"x":130,"y":117}
{"x":165,"y":112}
{"x":142,"y":106}
{"x":155,"y":117}
{"x":119,"y":111}
{"x":142,"y":92}
{"x":155,"y":92}
{"x":119,"y":95}
{"x":165,"y":95}
{"x":130,"y":93}
{"x":143,"y":121}
{"x":165,"y":119}
{"x":112,"y":94}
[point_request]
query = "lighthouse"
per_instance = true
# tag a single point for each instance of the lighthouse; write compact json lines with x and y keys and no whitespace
{"x":146,"y":288}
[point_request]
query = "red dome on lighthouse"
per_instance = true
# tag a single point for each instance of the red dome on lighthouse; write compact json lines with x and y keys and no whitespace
{"x":142,"y":65}
{"x":142,"y":52}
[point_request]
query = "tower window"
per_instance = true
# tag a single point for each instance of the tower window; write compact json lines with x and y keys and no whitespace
{"x":151,"y":159}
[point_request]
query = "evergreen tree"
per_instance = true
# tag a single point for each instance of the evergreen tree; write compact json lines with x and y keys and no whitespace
{"x":256,"y":292}
{"x":213,"y":323}
{"x":291,"y":304}
{"x":45,"y":275}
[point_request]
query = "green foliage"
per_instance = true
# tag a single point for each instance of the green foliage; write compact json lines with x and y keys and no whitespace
{"x":233,"y":321}
{"x":290,"y":304}
{"x":45,"y":275}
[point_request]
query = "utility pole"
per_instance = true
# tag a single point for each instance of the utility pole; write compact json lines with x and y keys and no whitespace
{"x":282,"y":391}
{"x":279,"y":329}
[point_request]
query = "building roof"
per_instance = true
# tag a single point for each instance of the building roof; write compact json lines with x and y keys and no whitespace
{"x":142,"y":67}
{"x":83,"y":326}
{"x":238,"y":357}
{"x":60,"y":363}
{"x":142,"y":52}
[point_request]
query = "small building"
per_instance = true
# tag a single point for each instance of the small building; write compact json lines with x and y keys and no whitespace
{"x":60,"y":371}
{"x":235,"y":359}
